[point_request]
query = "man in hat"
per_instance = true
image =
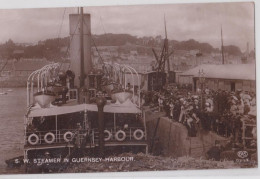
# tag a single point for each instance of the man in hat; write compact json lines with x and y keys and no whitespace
{"x":207,"y":91}
{"x":240,"y":106}
{"x":233,"y":108}
{"x":171,"y":105}
{"x":77,"y":135}
{"x":160,"y":102}
{"x":239,"y":93}
{"x":215,"y":151}
{"x":177,"y":109}
{"x":246,"y":98}
{"x":196,"y":109}
{"x":206,"y":117}
{"x":253,"y":100}
{"x":182,"y":112}
{"x":236,"y":110}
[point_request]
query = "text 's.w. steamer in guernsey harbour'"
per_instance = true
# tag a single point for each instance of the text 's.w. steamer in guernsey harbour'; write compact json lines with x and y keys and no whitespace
{"x":83,"y":107}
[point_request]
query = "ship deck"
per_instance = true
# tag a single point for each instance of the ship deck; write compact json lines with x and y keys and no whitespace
{"x":72,"y":107}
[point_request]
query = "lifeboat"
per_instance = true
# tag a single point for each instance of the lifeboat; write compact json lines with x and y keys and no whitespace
{"x":44,"y":99}
{"x":121,"y":96}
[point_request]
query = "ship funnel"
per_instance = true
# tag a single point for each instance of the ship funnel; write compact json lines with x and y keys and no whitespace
{"x":77,"y":46}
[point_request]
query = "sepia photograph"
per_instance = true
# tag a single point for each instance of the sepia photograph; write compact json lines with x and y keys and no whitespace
{"x":128,"y":88}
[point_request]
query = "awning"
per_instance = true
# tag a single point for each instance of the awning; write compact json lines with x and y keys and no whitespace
{"x":59,"y":110}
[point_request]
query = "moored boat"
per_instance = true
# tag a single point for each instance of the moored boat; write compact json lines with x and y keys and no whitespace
{"x":70,"y":116}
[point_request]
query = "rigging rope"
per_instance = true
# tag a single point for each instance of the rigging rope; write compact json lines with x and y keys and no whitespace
{"x":67,"y":50}
{"x":61,"y":25}
{"x":102,"y":61}
{"x":104,"y":32}
{"x":60,"y":32}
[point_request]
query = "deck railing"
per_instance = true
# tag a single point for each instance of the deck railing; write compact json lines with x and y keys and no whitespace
{"x":79,"y":136}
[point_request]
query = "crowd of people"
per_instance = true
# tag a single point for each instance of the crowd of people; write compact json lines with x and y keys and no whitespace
{"x":215,"y":110}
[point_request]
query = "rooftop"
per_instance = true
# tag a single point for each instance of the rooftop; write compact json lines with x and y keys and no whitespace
{"x":227,"y":71}
{"x":25,"y":65}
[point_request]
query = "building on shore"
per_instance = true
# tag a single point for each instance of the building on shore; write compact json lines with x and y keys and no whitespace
{"x":14,"y":73}
{"x":22,"y":68}
{"x":229,"y":77}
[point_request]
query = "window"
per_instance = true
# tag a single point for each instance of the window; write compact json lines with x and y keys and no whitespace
{"x":232,"y":86}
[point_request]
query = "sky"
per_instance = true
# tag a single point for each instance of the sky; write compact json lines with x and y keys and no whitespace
{"x":199,"y":21}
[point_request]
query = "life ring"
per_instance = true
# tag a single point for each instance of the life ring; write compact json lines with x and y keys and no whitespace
{"x":65,"y":136}
{"x":138,"y":134}
{"x":117,"y":135}
{"x":109,"y":135}
{"x":46,"y":138}
{"x":31,"y":141}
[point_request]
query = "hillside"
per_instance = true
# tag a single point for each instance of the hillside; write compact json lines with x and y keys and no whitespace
{"x":57,"y":48}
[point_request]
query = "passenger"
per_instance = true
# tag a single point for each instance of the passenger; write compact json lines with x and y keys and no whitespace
{"x":177,"y":110}
{"x":196,"y":110}
{"x":209,"y":100}
{"x":171,"y":109}
{"x":234,"y":108}
{"x":246,"y":99}
{"x":214,"y":152}
{"x":207,"y":91}
{"x":189,"y":121}
{"x":240,"y":107}
{"x":192,"y":120}
{"x":160,"y":102}
{"x":76,"y":137}
{"x":206,"y":119}
{"x":253,"y":100}
{"x":221,"y":108}
{"x":128,"y":87}
{"x":182,"y":112}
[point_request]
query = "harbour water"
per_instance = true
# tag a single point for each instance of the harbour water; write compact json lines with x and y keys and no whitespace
{"x":12,"y":110}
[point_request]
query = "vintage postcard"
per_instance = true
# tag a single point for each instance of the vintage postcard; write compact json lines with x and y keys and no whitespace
{"x":128,"y":88}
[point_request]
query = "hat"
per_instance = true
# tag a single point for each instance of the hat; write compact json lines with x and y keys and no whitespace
{"x":235,"y":98}
{"x":195,"y":97}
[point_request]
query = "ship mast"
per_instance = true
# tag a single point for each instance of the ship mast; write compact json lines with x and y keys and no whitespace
{"x":222,"y":48}
{"x":163,"y":59}
{"x":166,"y":43}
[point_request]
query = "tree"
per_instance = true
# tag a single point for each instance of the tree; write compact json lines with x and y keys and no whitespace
{"x":9,"y":47}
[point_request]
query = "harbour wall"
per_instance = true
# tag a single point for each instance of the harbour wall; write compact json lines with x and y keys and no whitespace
{"x":171,"y":138}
